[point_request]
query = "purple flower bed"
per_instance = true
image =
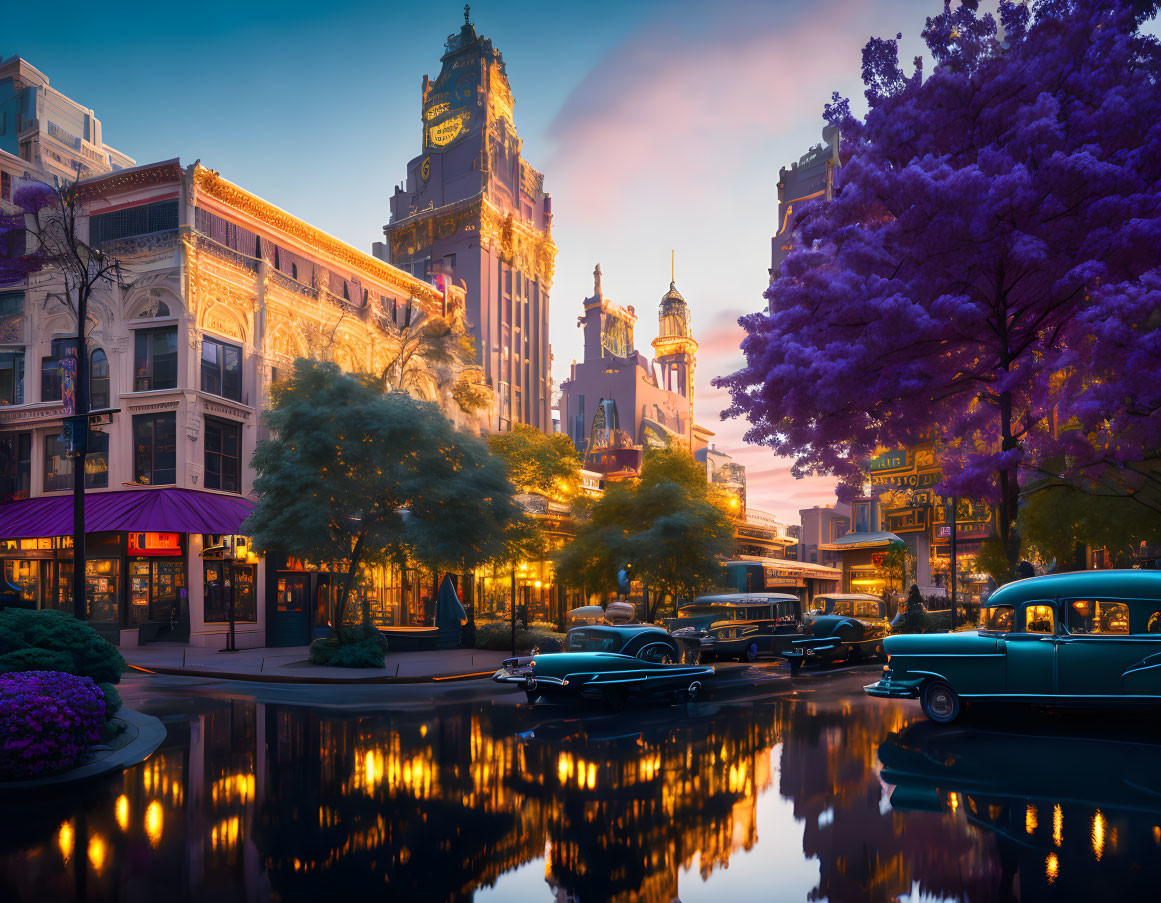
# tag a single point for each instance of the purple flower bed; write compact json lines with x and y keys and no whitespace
{"x":47,"y":721}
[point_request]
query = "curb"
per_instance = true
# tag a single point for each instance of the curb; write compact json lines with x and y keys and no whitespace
{"x":267,"y":678}
{"x":150,"y":734}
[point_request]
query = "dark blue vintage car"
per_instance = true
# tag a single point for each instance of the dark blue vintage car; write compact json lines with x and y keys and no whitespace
{"x":609,"y":664}
{"x":736,"y":625}
{"x":841,"y":627}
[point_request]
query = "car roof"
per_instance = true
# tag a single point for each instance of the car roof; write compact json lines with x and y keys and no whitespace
{"x":1124,"y":584}
{"x":736,"y":599}
{"x":849,"y":597}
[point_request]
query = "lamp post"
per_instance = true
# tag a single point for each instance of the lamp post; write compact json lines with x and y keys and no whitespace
{"x":513,"y":609}
{"x":954,"y":506}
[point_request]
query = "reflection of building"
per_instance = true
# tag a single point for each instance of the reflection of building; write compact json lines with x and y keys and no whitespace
{"x":474,"y":211}
{"x":224,"y":291}
{"x":56,"y":138}
{"x":618,"y":398}
{"x":811,"y":178}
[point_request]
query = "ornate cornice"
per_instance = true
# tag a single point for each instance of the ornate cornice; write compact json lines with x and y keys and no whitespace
{"x":130,"y":179}
{"x":229,"y":194}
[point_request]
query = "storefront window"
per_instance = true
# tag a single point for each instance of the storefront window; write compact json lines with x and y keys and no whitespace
{"x":101,"y":577}
{"x":292,"y":592}
{"x":12,"y":376}
{"x":26,"y":575}
{"x":51,"y":380}
{"x":155,"y":589}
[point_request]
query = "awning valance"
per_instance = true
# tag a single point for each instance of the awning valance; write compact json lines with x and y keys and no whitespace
{"x":145,"y":510}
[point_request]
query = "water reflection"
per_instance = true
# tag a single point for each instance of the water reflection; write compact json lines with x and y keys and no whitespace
{"x":258,"y":802}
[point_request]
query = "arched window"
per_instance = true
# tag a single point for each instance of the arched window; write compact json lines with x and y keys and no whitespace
{"x":162,"y":309}
{"x":99,"y":380}
{"x":294,"y":271}
{"x":346,"y":292}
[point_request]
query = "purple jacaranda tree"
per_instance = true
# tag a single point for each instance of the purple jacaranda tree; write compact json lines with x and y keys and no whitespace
{"x":46,"y":235}
{"x":987,"y":276}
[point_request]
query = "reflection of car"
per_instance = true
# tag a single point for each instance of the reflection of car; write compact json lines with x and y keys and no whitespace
{"x":843,"y":627}
{"x":1091,"y":637}
{"x":736,"y":625}
{"x":607,"y":663}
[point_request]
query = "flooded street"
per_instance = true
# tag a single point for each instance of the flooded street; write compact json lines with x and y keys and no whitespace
{"x":824,"y":795}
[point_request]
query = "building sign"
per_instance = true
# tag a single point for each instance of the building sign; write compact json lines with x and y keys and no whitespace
{"x":154,"y":543}
{"x":878,"y":559}
{"x":778,"y":577}
{"x":896,"y":459}
{"x":964,"y":530}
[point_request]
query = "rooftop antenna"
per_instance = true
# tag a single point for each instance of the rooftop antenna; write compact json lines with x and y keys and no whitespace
{"x":672,"y":267}
{"x":467,"y":13}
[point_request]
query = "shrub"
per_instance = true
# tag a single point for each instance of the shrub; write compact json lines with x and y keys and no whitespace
{"x":322,"y":650}
{"x":47,"y":721}
{"x":33,"y":658}
{"x":363,"y":654}
{"x":55,"y":631}
{"x":497,"y":636}
{"x":112,"y":699}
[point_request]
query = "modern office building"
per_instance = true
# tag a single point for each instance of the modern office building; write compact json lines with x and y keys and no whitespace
{"x":223,"y":291}
{"x":474,"y":211}
{"x":56,"y":138}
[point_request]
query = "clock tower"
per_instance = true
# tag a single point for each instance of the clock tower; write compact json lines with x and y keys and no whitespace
{"x":473,"y":211}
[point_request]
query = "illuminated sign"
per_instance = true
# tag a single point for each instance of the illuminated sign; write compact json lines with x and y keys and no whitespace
{"x":425,"y":169}
{"x":154,"y":543}
{"x":444,"y":133}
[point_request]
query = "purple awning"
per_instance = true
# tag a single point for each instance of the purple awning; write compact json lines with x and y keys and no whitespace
{"x":145,"y":510}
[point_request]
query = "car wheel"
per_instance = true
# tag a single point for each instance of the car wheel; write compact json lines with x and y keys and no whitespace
{"x":939,"y":702}
{"x":752,"y":652}
{"x":854,"y":654}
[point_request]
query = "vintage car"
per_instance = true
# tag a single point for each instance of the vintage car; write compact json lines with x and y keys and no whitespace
{"x":1090,"y":637}
{"x":610,"y":664}
{"x":736,"y":625}
{"x":842,"y":627}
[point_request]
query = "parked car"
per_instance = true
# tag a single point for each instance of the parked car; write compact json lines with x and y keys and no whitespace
{"x":611,"y":664}
{"x":736,"y":625}
{"x":1089,"y":638}
{"x":844,"y":627}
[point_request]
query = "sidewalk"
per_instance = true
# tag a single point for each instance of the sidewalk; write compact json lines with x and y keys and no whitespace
{"x":288,"y":664}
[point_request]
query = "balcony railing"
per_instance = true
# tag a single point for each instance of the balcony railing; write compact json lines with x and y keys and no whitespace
{"x":280,"y":278}
{"x":205,"y":243}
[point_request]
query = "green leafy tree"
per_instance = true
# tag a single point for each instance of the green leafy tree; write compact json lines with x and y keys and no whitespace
{"x":669,"y":527}
{"x":537,"y":462}
{"x":354,"y":477}
{"x":899,"y":565}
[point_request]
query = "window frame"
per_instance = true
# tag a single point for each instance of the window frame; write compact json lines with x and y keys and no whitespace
{"x":94,"y":380}
{"x":154,"y":419}
{"x":52,"y":360}
{"x":148,"y":373}
{"x":21,"y":458}
{"x":16,"y":360}
{"x":216,"y":370}
{"x":224,"y":426}
{"x":1025,"y":609}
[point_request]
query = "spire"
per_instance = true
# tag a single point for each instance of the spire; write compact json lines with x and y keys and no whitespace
{"x":467,"y":14}
{"x":673,"y":268}
{"x":597,"y":281}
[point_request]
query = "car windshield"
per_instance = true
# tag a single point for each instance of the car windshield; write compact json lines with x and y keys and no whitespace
{"x":866,"y":609}
{"x":586,"y":641}
{"x":998,"y":618}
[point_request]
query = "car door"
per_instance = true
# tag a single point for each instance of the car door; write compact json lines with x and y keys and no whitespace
{"x":1030,"y":650}
{"x":1099,"y":649}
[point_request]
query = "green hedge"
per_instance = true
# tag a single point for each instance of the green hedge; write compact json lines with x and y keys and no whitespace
{"x":55,"y":641}
{"x":364,"y":653}
{"x":497,"y":636}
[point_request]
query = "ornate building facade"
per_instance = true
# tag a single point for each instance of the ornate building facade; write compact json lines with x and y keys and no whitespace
{"x":473,"y":212}
{"x":616,"y":401}
{"x":223,"y":291}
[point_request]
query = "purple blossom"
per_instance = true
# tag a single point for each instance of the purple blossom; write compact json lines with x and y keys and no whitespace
{"x":48,"y":719}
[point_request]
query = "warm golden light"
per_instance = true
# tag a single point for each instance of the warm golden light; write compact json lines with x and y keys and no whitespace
{"x":1057,"y":825}
{"x":1098,"y":834}
{"x":1030,"y":822}
{"x":65,"y":840}
{"x":154,"y":823}
{"x":953,"y":801}
{"x":121,"y":811}
{"x":97,"y":853}
{"x":1051,"y":867}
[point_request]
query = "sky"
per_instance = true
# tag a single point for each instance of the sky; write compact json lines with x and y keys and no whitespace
{"x":659,"y":126}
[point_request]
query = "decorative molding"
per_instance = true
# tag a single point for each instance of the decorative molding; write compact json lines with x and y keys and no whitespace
{"x":213,"y":185}
{"x":131,"y":179}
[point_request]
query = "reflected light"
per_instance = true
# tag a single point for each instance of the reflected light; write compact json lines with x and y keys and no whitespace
{"x":121,"y":810}
{"x":1051,"y":868}
{"x":1030,"y":822}
{"x":65,"y":840}
{"x":97,"y":853}
{"x":1057,"y":825}
{"x":1098,"y":834}
{"x":154,"y":822}
{"x":953,"y":801}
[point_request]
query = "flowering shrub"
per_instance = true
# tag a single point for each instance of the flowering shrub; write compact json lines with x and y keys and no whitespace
{"x":47,"y":721}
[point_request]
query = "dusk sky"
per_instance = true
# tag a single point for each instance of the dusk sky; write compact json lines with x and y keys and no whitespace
{"x":658,"y":126}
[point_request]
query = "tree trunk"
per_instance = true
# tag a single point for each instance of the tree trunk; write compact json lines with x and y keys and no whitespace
{"x":1009,"y":488}
{"x":348,"y":581}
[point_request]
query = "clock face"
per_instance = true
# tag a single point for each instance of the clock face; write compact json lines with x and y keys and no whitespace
{"x":449,"y":106}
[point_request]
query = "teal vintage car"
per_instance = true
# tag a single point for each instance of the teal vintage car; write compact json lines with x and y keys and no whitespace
{"x":1087,"y":638}
{"x":736,"y":625}
{"x":609,"y":664}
